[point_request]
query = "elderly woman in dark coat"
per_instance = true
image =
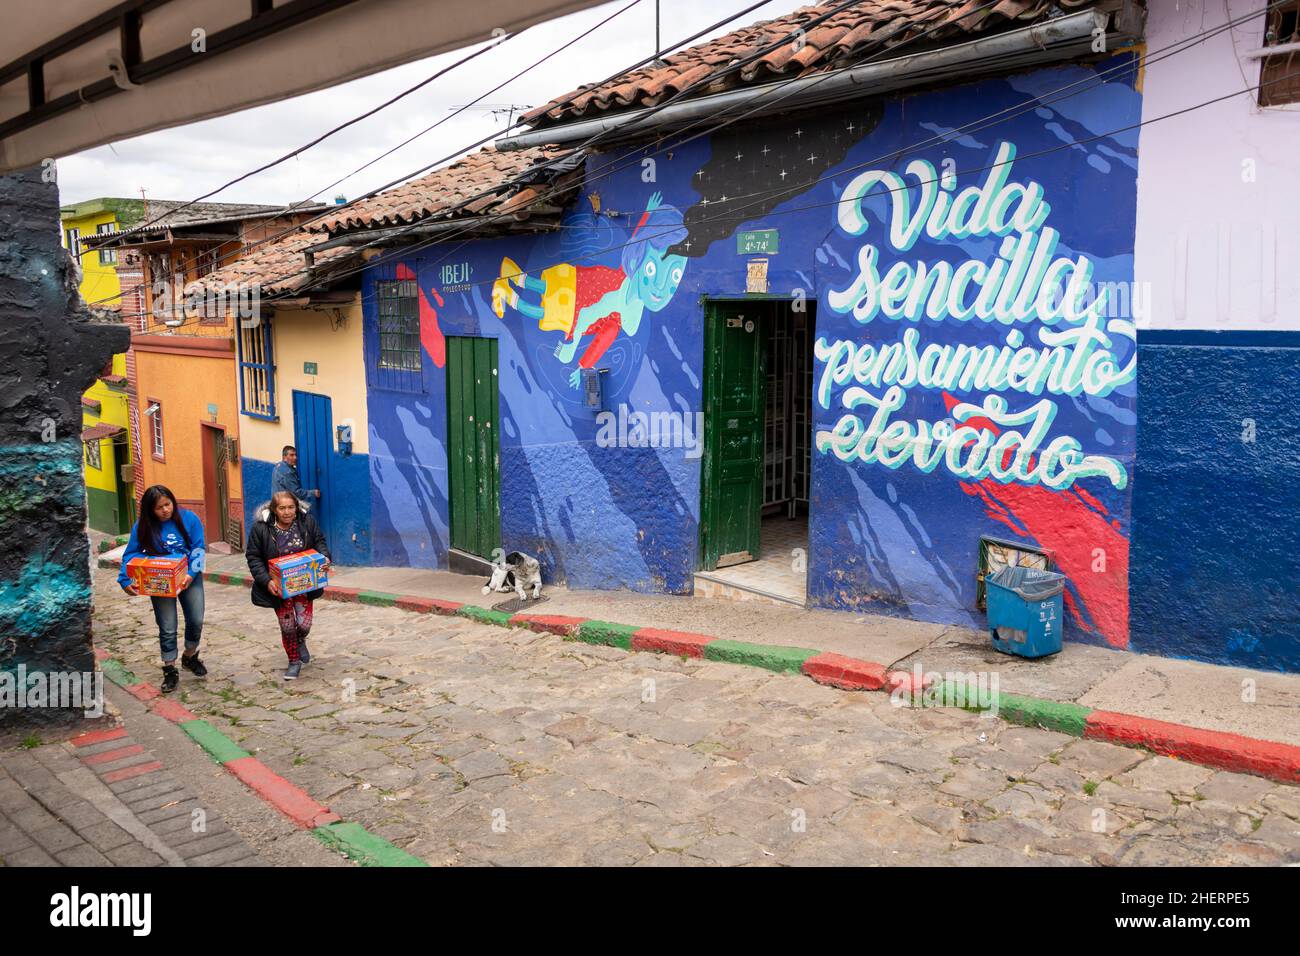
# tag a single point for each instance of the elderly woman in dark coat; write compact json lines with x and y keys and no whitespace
{"x":282,"y":527}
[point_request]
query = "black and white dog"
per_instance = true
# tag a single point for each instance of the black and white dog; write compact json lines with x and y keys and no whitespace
{"x":516,"y":572}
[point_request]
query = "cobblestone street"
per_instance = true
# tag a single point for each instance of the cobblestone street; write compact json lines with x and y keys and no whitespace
{"x":464,"y":743}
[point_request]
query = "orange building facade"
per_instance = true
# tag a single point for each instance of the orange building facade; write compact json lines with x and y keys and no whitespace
{"x":181,"y":367}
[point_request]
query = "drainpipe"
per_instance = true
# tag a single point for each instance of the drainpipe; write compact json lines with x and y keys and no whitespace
{"x":1061,"y":39}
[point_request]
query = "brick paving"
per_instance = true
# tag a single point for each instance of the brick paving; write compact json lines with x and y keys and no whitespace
{"x":464,"y":743}
{"x":105,"y":800}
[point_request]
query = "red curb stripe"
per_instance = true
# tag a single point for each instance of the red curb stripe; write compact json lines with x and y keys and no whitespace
{"x":560,"y":624}
{"x":126,"y":773}
{"x":290,"y":800}
{"x":98,"y":737}
{"x":427,"y":605}
{"x":143,"y":691}
{"x":108,"y":756}
{"x":1212,"y":748}
{"x":101,"y":654}
{"x":670,"y":642}
{"x":846,"y":673}
{"x":171,"y":710}
{"x":335,"y":593}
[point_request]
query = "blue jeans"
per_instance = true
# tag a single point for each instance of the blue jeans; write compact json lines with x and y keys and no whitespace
{"x":164,"y":612}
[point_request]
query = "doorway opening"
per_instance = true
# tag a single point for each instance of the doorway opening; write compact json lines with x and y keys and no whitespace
{"x":757,"y":458}
{"x":473,"y":453}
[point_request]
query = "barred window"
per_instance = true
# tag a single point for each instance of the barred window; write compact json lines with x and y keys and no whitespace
{"x":257,"y":370}
{"x":1279,"y":73}
{"x":92,"y":454}
{"x":107,"y":257}
{"x":398,"y":308}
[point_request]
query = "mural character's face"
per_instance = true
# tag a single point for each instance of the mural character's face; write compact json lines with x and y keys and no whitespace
{"x":658,"y":278}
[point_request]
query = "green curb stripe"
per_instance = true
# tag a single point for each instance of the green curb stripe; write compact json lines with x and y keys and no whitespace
{"x":219,"y":747}
{"x":118,"y":674}
{"x":605,"y":632}
{"x":364,"y":847}
{"x":1051,"y":714}
{"x":233,"y":578}
{"x":482,"y":614}
{"x":378,"y":598}
{"x":1027,"y":711}
{"x":772,"y":657}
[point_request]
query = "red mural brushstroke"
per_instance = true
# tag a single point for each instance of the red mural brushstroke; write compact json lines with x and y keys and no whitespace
{"x":431,"y":336}
{"x":1072,"y":527}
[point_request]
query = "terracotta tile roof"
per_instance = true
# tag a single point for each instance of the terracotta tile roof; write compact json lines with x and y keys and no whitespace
{"x":442,"y":191}
{"x":102,"y":430}
{"x":277,"y":267}
{"x":845,"y":37}
{"x":88,"y":402}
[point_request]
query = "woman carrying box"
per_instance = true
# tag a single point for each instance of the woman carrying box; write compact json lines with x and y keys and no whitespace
{"x":283,"y":528}
{"x":165,"y":530}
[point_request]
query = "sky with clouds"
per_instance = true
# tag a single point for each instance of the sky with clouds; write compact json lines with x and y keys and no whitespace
{"x":187,"y":161}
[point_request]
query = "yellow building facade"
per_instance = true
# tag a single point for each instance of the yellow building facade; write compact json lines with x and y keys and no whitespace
{"x":106,"y":453}
{"x":99,"y":281}
{"x":318,"y":385}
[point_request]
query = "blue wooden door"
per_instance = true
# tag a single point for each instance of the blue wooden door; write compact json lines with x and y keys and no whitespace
{"x":313,"y":435}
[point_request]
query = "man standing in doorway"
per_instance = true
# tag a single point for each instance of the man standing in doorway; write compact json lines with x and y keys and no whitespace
{"x":285,"y":476}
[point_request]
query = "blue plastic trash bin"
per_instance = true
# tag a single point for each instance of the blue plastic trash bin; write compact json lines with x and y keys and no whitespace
{"x":1024,"y":606}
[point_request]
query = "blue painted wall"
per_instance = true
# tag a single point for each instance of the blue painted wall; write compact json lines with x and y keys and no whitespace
{"x":900,"y":540}
{"x":1216,"y":546}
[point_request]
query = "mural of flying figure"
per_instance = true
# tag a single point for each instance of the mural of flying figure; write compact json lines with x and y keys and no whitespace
{"x":598,"y":301}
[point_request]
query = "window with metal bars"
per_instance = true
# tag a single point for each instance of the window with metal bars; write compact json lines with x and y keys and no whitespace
{"x":1279,"y":73}
{"x":398,"y":363}
{"x":155,"y":414}
{"x":257,"y":370}
{"x":92,"y":454}
{"x":107,"y":257}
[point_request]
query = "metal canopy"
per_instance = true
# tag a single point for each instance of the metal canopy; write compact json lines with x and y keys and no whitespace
{"x":80,"y":73}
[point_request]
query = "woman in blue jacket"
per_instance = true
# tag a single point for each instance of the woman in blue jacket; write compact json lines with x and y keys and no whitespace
{"x":165,"y":530}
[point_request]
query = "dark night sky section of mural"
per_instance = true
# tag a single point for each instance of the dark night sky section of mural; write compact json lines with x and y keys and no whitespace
{"x":779,"y":162}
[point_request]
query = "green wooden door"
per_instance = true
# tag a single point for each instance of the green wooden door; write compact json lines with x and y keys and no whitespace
{"x":473,"y":452}
{"x":734,"y":387}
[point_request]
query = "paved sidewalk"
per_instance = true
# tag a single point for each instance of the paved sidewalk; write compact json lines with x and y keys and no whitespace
{"x":1260,"y":704}
{"x":104,"y":799}
{"x":467,"y":743}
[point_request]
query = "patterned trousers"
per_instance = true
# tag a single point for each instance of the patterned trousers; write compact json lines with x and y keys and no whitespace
{"x":295,"y":623}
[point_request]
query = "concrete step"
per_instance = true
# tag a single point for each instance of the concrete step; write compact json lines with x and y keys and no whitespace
{"x":708,"y":586}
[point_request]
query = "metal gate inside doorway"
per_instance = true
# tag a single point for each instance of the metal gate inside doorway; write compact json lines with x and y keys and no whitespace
{"x":787,"y":434}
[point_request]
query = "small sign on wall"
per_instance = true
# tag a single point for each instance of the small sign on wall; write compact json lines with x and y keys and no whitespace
{"x":308,"y":368}
{"x":757,"y":241}
{"x":756,"y":276}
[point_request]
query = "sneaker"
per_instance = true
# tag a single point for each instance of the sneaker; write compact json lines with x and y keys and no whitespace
{"x":171,"y":677}
{"x":194,"y":665}
{"x":293,"y":670}
{"x":303,"y":654}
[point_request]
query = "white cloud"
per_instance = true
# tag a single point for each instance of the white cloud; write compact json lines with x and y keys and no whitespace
{"x":187,"y":161}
